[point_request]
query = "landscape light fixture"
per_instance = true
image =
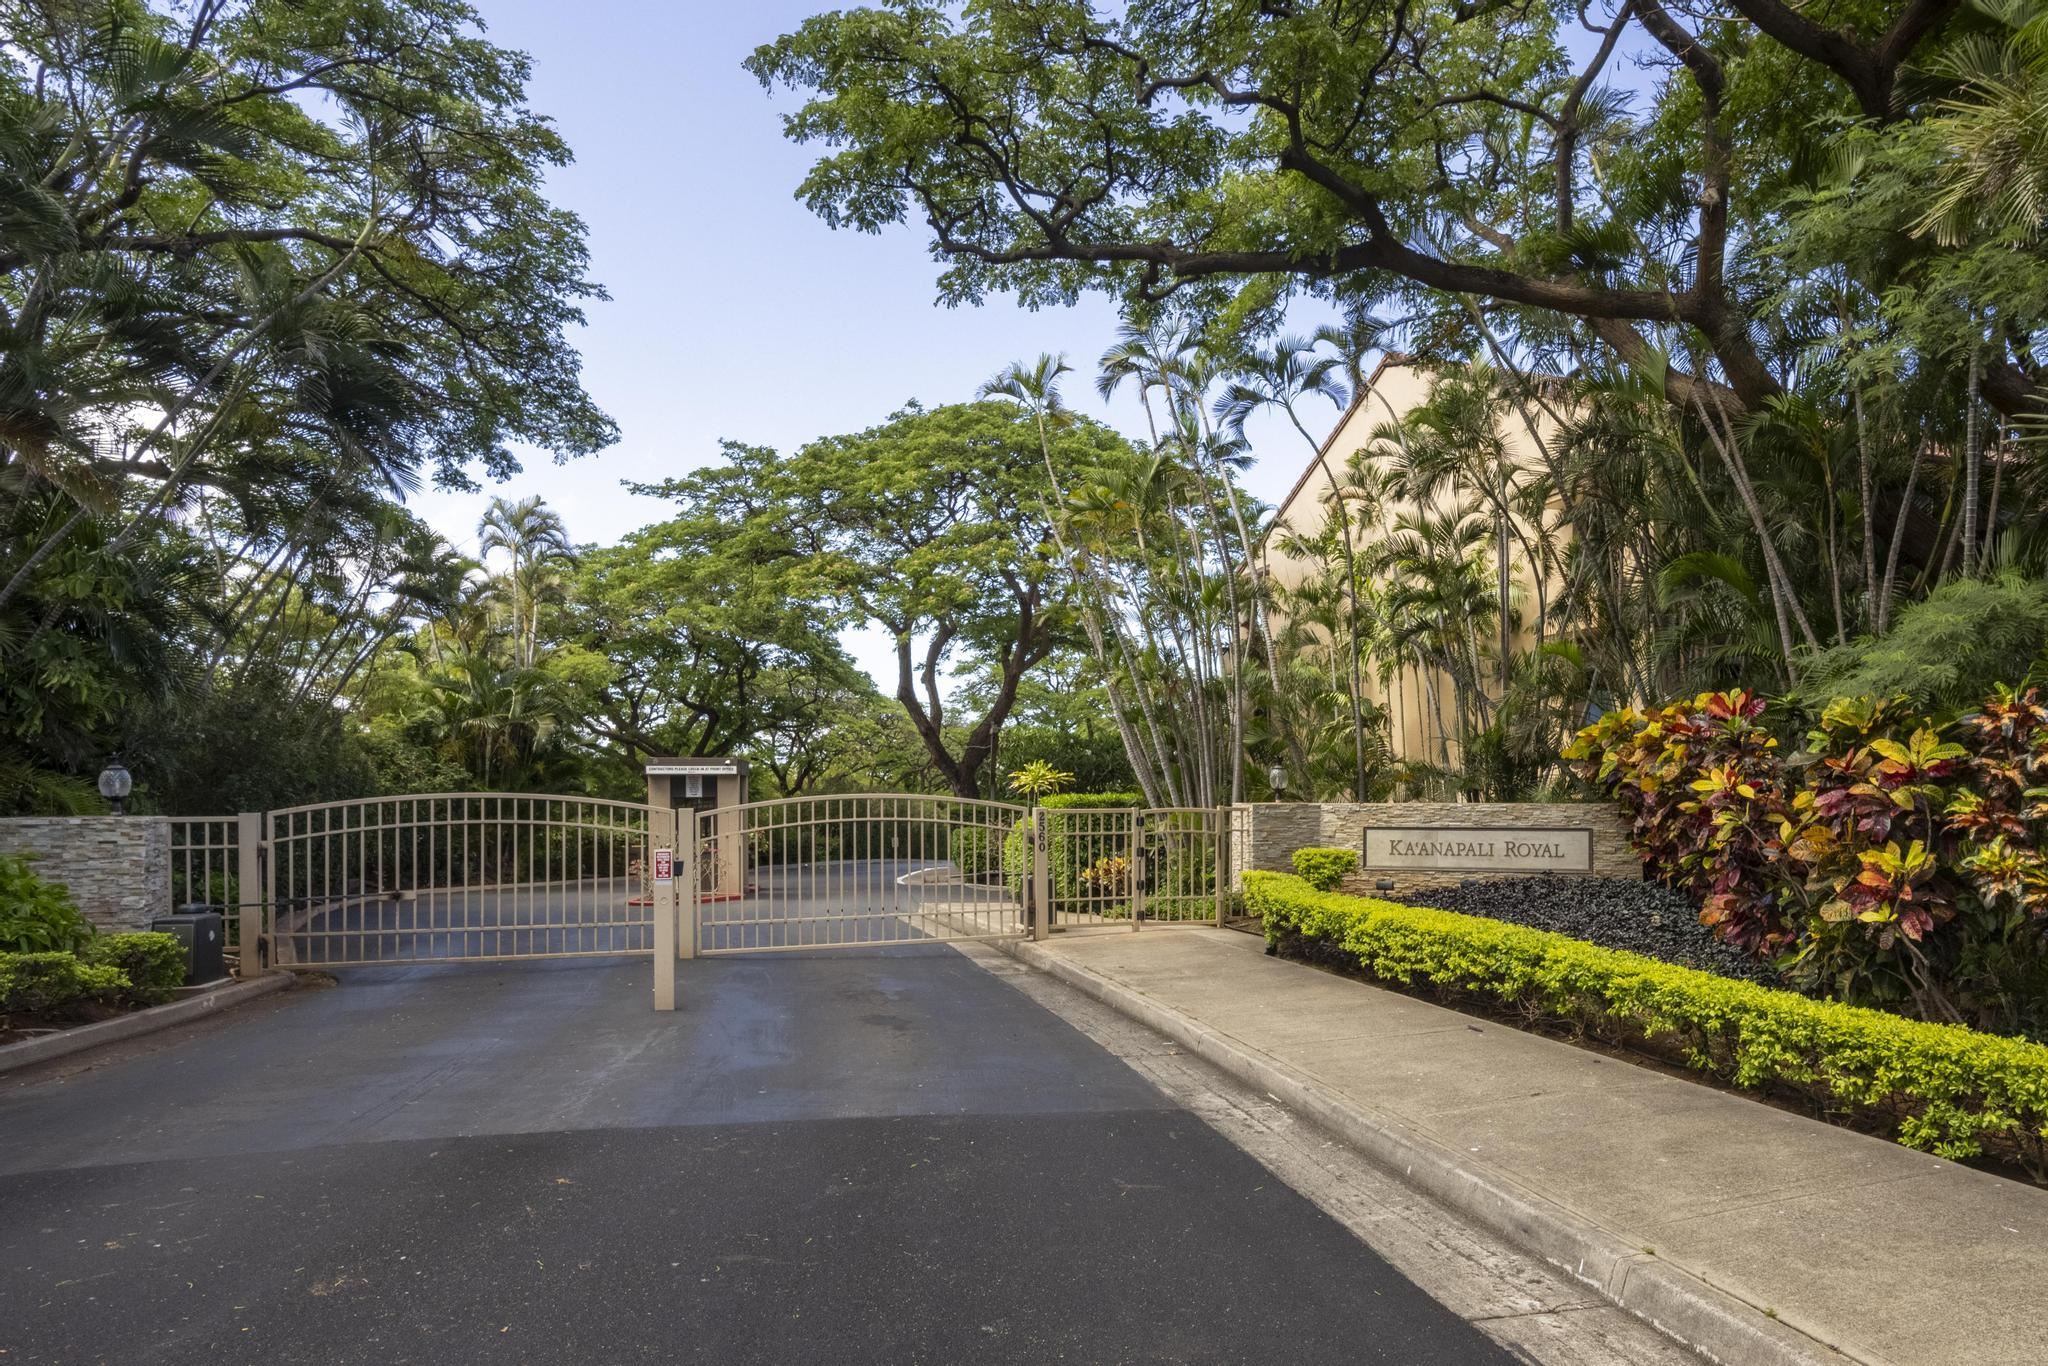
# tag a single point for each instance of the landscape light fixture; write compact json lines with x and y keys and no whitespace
{"x":115,"y":785}
{"x":1277,"y":776}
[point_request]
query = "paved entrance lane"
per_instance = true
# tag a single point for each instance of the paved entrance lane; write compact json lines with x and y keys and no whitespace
{"x":884,"y":1157}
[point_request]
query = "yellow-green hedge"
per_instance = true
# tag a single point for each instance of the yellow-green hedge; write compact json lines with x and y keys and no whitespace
{"x":38,"y":983}
{"x":1324,"y":869}
{"x":1942,"y":1088}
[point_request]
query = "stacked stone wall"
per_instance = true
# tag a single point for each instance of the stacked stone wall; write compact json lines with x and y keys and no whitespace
{"x":1276,"y":829}
{"x":118,"y":868}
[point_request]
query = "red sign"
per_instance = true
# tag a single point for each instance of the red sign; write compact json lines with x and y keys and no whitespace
{"x":664,"y":865}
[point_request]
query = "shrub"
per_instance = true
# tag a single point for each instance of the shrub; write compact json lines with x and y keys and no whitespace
{"x":1324,"y":869}
{"x":48,"y":983}
{"x":153,"y":964}
{"x":971,"y":847}
{"x":37,"y":916}
{"x":1108,"y":876}
{"x":1946,"y":651}
{"x":1892,"y":860}
{"x":1703,"y":784}
{"x":1077,"y":841}
{"x":1940,"y":1088}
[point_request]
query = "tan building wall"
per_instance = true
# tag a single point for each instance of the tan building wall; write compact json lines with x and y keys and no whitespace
{"x":1420,"y":705}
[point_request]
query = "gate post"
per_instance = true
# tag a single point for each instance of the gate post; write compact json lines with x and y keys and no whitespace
{"x":1137,"y":864}
{"x":1041,"y":873}
{"x":689,"y":882}
{"x":661,"y":830}
{"x":1225,"y":821}
{"x":250,"y":894}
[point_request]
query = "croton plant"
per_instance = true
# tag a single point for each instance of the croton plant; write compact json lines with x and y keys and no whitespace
{"x":1886,"y":858}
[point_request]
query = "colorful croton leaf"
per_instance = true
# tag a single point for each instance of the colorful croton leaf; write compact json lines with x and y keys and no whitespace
{"x":1893,"y":889}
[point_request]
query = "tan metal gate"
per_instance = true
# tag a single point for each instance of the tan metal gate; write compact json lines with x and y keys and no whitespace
{"x":850,"y":871}
{"x":457,"y":877}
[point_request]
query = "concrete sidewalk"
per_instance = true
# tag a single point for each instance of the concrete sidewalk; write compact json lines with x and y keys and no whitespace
{"x":1725,"y":1221}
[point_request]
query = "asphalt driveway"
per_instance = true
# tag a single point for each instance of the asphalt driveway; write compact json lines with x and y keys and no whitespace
{"x":886,"y":1156}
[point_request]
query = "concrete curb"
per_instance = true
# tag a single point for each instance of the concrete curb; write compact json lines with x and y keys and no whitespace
{"x":1705,"y":1318}
{"x":29,"y":1052}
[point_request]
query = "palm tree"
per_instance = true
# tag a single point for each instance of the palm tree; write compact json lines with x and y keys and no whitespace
{"x":1994,"y":129}
{"x":1280,"y":377}
{"x":532,"y":533}
{"x":493,"y":718}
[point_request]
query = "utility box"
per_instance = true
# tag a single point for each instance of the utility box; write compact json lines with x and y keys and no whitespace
{"x":205,"y":937}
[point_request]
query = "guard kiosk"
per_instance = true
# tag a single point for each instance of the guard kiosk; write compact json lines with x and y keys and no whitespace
{"x":693,"y":787}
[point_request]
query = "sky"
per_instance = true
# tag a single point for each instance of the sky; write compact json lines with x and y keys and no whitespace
{"x":735,"y":312}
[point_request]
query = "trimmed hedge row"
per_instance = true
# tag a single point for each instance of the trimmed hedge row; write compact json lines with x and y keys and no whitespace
{"x":153,"y":964}
{"x":40,"y":983}
{"x":1940,"y":1088}
{"x":113,"y":969}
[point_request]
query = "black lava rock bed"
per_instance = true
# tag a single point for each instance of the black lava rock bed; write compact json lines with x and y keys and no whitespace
{"x":1640,"y":917}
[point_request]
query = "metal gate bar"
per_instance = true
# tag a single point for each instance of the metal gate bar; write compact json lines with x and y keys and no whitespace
{"x":456,"y":877}
{"x":1134,"y":866}
{"x":846,"y":871}
{"x":857,"y":870}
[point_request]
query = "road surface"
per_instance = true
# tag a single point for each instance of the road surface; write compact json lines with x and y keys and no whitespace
{"x":888,"y":1156}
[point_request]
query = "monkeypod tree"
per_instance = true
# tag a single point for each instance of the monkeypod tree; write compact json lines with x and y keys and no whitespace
{"x":1613,"y":173}
{"x":936,"y":527}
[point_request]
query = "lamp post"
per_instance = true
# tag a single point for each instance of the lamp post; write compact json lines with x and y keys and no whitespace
{"x":115,"y":785}
{"x":1277,"y":776}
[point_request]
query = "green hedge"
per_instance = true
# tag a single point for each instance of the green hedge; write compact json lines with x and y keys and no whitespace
{"x":971,"y":847}
{"x":1941,"y":1088}
{"x":40,"y":983}
{"x":115,"y":969}
{"x":1324,"y":869}
{"x":153,"y":964}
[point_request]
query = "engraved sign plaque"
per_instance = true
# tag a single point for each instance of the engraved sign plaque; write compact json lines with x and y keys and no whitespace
{"x":1477,"y":849}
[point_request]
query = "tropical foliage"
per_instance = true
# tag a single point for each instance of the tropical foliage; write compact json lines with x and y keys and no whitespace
{"x":1887,"y":859}
{"x":267,"y":266}
{"x":1736,"y":314}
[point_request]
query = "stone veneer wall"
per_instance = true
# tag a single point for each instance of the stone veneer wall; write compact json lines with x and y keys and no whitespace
{"x":117,"y":867}
{"x":1274,"y":830}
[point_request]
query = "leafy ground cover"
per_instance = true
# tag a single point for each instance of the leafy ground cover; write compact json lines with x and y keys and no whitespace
{"x":56,"y":971}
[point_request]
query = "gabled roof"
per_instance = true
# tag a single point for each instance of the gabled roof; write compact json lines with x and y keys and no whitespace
{"x":1388,"y":361}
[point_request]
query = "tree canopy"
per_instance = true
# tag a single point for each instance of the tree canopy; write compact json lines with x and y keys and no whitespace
{"x":1648,"y":184}
{"x":266,"y":267}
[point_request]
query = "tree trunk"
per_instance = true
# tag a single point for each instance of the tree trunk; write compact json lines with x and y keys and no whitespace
{"x":1891,"y":557}
{"x":1972,"y":461}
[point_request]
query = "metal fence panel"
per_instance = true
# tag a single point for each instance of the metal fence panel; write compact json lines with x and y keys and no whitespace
{"x":851,"y":870}
{"x":450,"y":877}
